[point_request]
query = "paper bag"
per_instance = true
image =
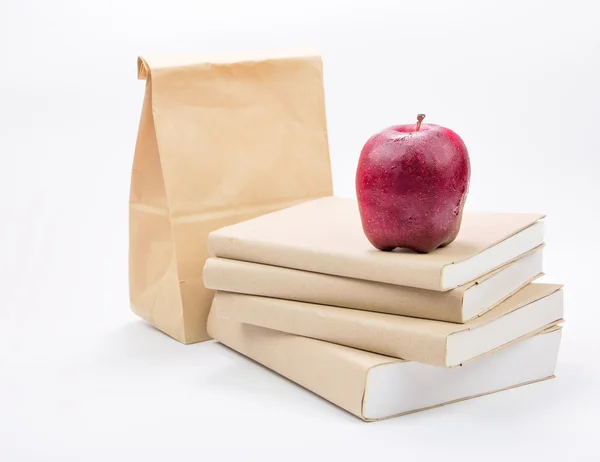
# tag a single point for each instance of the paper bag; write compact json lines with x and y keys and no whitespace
{"x":220,"y":140}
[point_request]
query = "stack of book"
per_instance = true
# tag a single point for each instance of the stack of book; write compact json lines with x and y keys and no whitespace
{"x":381,"y":334}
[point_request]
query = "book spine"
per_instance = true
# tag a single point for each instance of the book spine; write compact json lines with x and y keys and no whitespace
{"x":330,"y":371}
{"x":304,"y":286}
{"x":396,"y":336}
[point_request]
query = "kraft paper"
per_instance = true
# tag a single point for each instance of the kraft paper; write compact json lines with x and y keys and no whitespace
{"x":220,"y":140}
{"x":337,"y":373}
{"x":325,"y":289}
{"x":414,"y":339}
{"x":326,"y":236}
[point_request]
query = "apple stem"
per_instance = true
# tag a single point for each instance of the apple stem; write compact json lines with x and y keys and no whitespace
{"x":420,"y":118}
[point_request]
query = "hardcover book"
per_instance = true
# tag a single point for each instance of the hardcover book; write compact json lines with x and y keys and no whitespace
{"x":325,"y":236}
{"x":375,"y":387}
{"x":531,"y":310}
{"x":457,"y":305}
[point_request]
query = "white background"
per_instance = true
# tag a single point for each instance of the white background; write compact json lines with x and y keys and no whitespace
{"x":81,"y":378}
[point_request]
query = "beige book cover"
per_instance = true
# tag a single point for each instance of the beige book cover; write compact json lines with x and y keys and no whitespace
{"x":438,"y":343}
{"x":326,"y":236}
{"x":305,"y":286}
{"x":221,"y":139}
{"x":375,"y":387}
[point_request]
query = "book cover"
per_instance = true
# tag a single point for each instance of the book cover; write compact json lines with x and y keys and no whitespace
{"x":457,"y":305}
{"x":529,"y":311}
{"x":325,"y":236}
{"x":375,"y":387}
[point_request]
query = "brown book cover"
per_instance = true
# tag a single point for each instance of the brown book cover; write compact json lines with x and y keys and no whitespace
{"x":457,"y":305}
{"x":375,"y":387}
{"x":326,"y":236}
{"x":529,"y":311}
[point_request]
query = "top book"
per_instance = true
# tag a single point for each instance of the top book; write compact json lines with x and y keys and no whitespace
{"x":325,"y":236}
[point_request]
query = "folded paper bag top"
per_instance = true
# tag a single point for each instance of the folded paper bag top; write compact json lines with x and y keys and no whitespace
{"x":220,"y":140}
{"x":158,"y":62}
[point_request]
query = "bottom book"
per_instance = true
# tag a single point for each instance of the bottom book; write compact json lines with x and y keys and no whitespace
{"x":376,"y":387}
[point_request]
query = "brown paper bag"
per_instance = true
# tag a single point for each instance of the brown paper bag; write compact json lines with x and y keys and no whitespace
{"x":220,"y":140}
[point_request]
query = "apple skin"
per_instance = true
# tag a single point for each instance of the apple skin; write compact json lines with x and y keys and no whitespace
{"x":411,"y":184}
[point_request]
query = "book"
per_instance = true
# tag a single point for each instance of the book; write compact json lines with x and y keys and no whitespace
{"x":529,"y":311}
{"x":326,"y":236}
{"x":375,"y":387}
{"x":457,"y":305}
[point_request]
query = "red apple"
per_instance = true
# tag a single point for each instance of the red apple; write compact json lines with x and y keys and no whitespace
{"x":411,"y":185}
